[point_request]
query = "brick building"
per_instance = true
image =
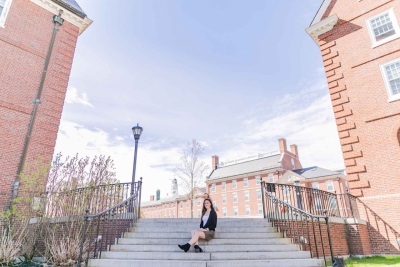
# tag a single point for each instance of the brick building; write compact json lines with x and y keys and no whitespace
{"x":35,"y":60}
{"x":234,"y":186}
{"x":359,"y":43}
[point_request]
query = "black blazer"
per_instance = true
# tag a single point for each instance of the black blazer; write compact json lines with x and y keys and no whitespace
{"x":211,"y":223}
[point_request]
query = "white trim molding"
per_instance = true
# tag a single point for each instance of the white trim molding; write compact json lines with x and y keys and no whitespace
{"x":321,"y":11}
{"x":4,"y":13}
{"x":322,"y":27}
{"x":81,"y":23}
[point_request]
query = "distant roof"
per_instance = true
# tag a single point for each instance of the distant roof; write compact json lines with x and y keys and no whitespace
{"x":247,"y":167}
{"x":72,"y":6}
{"x":315,"y":171}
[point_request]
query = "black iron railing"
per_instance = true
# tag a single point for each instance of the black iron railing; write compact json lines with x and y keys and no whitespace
{"x":309,"y":231}
{"x":93,"y":198}
{"x":102,"y":230}
{"x":315,"y":201}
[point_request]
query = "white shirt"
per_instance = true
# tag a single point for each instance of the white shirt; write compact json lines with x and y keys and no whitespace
{"x":205,"y":219}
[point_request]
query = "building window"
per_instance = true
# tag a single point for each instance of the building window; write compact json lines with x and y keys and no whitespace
{"x":223,"y":199}
{"x":224,"y":214}
{"x":246,"y":182}
{"x":213,"y":188}
{"x":292,"y":164}
{"x":198,"y":213}
{"x":234,"y":197}
{"x":4,"y":8}
{"x":329,"y":186}
{"x":270,"y":177}
{"x":290,"y":177}
{"x":332,"y":203}
{"x":198,"y":202}
{"x":391,"y":75}
{"x":260,"y":209}
{"x":383,"y":28}
{"x":246,"y":196}
{"x":318,"y":203}
{"x":187,"y":214}
{"x":223,"y":185}
{"x":259,"y":194}
{"x":315,"y":185}
{"x":258,"y":180}
{"x":180,"y":214}
{"x":234,"y":185}
{"x":165,"y":214}
{"x":247,"y":210}
{"x":181,"y":205}
{"x":235,"y":211}
{"x":214,"y":204}
{"x":286,"y":190}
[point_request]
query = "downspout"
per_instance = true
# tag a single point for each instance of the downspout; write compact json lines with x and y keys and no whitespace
{"x":58,"y":21}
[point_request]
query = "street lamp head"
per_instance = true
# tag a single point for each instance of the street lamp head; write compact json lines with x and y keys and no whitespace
{"x":137,"y":131}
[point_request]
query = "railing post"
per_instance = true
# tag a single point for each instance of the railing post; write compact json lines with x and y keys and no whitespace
{"x":140,"y":195}
{"x":329,"y":236}
{"x":262,"y":195}
{"x":83,"y":237}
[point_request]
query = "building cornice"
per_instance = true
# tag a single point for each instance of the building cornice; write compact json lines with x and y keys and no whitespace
{"x":242,"y":175}
{"x":322,"y":27}
{"x":81,"y":23}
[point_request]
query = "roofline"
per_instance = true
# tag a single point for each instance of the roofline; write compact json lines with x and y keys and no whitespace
{"x":321,"y":11}
{"x":242,"y":174}
{"x":70,"y":8}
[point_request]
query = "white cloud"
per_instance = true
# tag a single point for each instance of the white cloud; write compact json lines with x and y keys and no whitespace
{"x":73,"y":96}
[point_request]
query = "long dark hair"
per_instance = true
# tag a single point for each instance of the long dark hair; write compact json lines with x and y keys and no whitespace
{"x":204,"y":208}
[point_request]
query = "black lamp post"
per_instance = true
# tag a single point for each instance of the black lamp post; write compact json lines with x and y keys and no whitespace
{"x":137,"y":131}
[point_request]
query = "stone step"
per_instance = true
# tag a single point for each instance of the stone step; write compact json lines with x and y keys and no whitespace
{"x":244,"y":223}
{"x":187,"y":235}
{"x":205,"y":255}
{"x":222,"y":241}
{"x":220,"y":230}
{"x":184,"y":263}
{"x":222,"y":220}
{"x":206,"y":248}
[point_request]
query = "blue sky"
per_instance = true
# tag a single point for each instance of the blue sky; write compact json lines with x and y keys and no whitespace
{"x":236,"y":75}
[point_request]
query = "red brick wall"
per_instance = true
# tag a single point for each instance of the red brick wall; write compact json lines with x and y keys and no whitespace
{"x":23,"y":46}
{"x":358,"y":239}
{"x":366,"y":121}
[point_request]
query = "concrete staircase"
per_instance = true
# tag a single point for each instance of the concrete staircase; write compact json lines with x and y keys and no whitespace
{"x":238,"y":242}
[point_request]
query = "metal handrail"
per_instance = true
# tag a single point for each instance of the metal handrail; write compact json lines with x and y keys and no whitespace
{"x":302,"y":227}
{"x":102,"y":230}
{"x":311,"y":200}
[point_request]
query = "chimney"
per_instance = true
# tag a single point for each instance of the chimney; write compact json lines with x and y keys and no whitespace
{"x":215,"y":162}
{"x":282,"y":145}
{"x":152,"y":198}
{"x":294,"y":150}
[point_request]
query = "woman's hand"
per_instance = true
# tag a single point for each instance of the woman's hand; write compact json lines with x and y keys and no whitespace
{"x":203,"y":230}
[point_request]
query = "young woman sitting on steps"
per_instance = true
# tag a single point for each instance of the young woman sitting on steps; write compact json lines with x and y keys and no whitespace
{"x":207,"y":227}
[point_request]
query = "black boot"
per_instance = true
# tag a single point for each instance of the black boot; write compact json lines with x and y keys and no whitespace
{"x":198,"y":249}
{"x":185,"y":247}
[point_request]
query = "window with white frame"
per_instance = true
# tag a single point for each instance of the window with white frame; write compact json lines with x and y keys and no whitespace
{"x":391,"y":75}
{"x":224,"y":199}
{"x":315,"y":185}
{"x":383,"y":27}
{"x":165,"y":214}
{"x":234,"y":185}
{"x":259,"y":194}
{"x":235,"y":211}
{"x":198,"y":202}
{"x":180,"y":214}
{"x":213,"y":188}
{"x":234,"y":197}
{"x":286,"y":190}
{"x":198,"y":213}
{"x":258,"y":180}
{"x":247,"y":210}
{"x":173,"y":215}
{"x":4,"y":8}
{"x":270,"y":177}
{"x":224,"y":214}
{"x":332,"y":203}
{"x":246,"y":196}
{"x":329,"y":185}
{"x":214,"y":204}
{"x":318,"y":203}
{"x":260,"y":209}
{"x":246,"y":182}
{"x":290,"y":177}
{"x":223,"y":185}
{"x":181,"y":205}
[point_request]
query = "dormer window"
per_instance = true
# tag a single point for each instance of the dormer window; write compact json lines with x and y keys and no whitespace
{"x":383,"y":27}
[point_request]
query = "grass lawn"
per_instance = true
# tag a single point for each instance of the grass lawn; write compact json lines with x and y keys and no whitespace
{"x":372,"y":261}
